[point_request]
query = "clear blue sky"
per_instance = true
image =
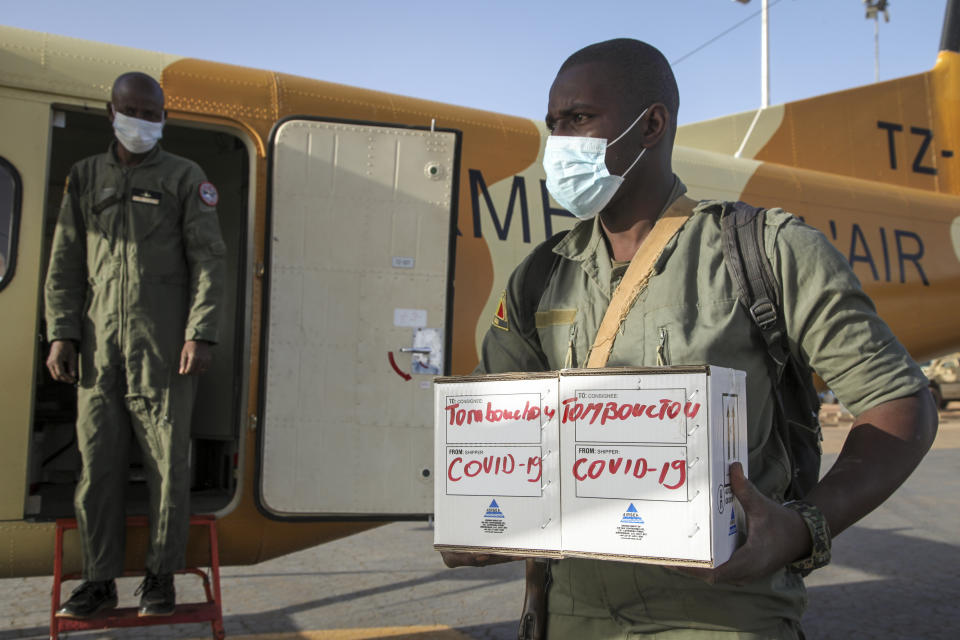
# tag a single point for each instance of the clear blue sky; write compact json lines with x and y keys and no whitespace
{"x":502,"y":55}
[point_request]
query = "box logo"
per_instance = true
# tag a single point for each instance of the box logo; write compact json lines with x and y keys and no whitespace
{"x":631,"y":515}
{"x":493,"y":511}
{"x":631,"y":525}
{"x":494,"y":521}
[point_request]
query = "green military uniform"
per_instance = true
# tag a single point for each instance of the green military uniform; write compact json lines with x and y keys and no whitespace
{"x":689,"y":314}
{"x":136,"y":269}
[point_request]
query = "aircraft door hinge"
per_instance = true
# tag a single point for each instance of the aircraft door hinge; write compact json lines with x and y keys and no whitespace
{"x":259,"y":270}
{"x":252,"y":422}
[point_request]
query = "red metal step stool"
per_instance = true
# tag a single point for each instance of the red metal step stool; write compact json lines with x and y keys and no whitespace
{"x":209,"y":611}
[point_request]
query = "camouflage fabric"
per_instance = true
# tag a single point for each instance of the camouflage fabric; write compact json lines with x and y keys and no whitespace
{"x":136,"y":269}
{"x":689,"y":314}
{"x":819,"y":535}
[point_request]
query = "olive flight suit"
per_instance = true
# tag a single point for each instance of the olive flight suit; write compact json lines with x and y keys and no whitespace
{"x":136,"y":269}
{"x":689,"y":314}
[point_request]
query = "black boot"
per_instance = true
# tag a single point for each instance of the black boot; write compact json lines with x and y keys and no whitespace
{"x":89,"y":598}
{"x":157,"y":595}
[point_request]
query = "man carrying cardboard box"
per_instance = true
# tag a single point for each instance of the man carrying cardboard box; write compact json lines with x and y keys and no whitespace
{"x":641,"y":281}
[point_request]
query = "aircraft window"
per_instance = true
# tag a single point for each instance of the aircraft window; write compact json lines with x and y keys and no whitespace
{"x":9,"y":219}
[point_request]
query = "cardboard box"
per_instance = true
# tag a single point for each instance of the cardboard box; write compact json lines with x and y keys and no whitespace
{"x":497,"y":461}
{"x":619,"y":464}
{"x":645,"y":458}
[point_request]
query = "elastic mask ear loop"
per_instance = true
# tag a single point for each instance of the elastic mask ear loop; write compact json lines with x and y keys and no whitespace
{"x":627,"y":130}
{"x":632,"y":125}
{"x":634,"y":163}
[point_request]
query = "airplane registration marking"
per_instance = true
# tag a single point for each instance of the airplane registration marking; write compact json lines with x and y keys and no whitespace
{"x":892,"y":128}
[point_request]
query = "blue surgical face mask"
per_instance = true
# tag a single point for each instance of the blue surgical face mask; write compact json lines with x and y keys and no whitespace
{"x":577,"y":175}
{"x":136,"y":135}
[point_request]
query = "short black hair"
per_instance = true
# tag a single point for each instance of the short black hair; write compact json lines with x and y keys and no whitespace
{"x":643,"y":74}
{"x":137,"y":80}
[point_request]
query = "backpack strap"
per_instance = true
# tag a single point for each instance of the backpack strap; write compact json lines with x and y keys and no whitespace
{"x":541,"y":264}
{"x":797,"y":405}
{"x":745,"y":255}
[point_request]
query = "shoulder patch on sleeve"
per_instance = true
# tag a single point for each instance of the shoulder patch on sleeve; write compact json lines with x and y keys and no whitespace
{"x":500,"y":315}
{"x":209,"y":194}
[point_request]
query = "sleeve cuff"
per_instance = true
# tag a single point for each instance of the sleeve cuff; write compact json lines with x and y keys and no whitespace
{"x":62,"y":332}
{"x":205,"y":334}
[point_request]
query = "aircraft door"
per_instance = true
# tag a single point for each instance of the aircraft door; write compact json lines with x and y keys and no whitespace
{"x":24,"y":138}
{"x":357,"y":307}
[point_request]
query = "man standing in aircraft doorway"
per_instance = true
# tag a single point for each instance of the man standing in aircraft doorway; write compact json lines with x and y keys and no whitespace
{"x":134,"y":284}
{"x":612,"y":116}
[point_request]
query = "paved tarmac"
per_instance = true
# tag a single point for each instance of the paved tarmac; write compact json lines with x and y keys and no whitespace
{"x":896,"y":574}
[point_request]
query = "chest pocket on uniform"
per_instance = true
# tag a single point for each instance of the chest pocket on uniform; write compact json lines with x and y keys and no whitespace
{"x":557,"y":332}
{"x":152,"y":211}
{"x":103,"y":211}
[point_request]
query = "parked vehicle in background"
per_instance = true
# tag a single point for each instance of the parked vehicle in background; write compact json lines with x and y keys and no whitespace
{"x":944,"y":375}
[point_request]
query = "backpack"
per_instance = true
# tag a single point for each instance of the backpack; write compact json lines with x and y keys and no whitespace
{"x":797,"y":404}
{"x":797,"y":409}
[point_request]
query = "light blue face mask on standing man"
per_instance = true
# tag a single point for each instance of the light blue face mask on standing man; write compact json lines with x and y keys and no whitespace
{"x":577,"y":176}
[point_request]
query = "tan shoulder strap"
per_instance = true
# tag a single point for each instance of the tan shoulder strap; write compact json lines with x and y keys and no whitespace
{"x":636,"y":277}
